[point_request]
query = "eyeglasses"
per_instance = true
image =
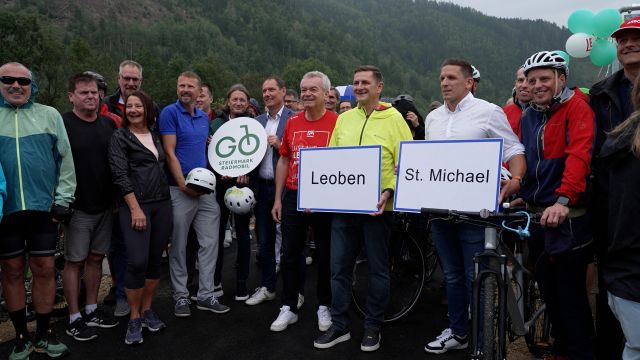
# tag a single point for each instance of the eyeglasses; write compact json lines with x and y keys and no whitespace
{"x":9,"y":80}
{"x":129,"y":78}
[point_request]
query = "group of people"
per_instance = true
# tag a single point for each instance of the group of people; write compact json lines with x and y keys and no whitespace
{"x":573,"y":158}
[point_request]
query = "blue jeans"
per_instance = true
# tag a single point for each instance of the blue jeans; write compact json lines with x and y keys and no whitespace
{"x":456,"y":245}
{"x":346,"y":229}
{"x":628,"y":313}
{"x":118,"y":255}
{"x":266,"y":232}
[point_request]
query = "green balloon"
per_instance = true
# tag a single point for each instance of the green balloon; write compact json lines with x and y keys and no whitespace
{"x":564,"y":55}
{"x":602,"y":53}
{"x":581,"y":21}
{"x":606,"y":22}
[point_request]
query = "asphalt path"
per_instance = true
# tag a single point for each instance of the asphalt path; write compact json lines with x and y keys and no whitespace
{"x":243,"y":333}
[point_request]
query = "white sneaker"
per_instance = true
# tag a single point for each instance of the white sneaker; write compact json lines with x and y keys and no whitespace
{"x":324,"y":318}
{"x":445,"y":342}
{"x":285,"y":318}
{"x":300,"y":301}
{"x":261,"y":295}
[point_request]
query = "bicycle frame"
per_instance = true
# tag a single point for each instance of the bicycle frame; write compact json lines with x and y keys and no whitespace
{"x":496,"y":257}
{"x":492,"y":258}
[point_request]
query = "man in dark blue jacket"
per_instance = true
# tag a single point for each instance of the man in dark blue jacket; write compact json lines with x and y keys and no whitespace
{"x":611,"y":103}
{"x":274,"y":120}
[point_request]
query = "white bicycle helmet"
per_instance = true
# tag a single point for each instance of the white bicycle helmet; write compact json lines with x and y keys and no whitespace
{"x":546,"y":59}
{"x":202,"y":180}
{"x":476,"y":74}
{"x":239,"y":200}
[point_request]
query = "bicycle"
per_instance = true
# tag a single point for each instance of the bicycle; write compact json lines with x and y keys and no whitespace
{"x":412,"y":262}
{"x":497,"y":311}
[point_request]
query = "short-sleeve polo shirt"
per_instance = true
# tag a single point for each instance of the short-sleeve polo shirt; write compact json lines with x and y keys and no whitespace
{"x":191,"y":135}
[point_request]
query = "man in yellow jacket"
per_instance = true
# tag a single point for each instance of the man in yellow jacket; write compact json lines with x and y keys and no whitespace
{"x":371,"y":123}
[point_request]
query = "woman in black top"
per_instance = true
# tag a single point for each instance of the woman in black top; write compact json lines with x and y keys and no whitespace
{"x":618,"y":171}
{"x":236,"y":106}
{"x":137,"y":165}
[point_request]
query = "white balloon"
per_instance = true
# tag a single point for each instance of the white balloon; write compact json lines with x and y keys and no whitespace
{"x":579,"y":45}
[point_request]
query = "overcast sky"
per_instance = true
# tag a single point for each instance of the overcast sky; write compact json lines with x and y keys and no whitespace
{"x":556,"y":11}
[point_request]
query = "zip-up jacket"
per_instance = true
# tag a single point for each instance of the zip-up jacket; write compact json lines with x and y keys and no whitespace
{"x":3,"y":190}
{"x":135,"y":168}
{"x":622,"y":169}
{"x":384,"y":126}
{"x":514,"y":113}
{"x":558,"y":141}
{"x":606,"y":106}
{"x":36,"y":157}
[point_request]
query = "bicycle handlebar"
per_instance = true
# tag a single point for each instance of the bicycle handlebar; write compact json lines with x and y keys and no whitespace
{"x":484,"y":216}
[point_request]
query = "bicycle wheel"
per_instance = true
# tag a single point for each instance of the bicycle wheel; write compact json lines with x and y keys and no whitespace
{"x":538,"y":338}
{"x":490,"y":317}
{"x":406,"y":272}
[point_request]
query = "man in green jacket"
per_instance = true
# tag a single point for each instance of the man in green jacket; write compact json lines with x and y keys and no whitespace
{"x":371,"y":123}
{"x":36,"y":158}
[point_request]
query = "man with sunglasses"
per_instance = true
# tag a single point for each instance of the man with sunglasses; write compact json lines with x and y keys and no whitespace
{"x":36,"y":158}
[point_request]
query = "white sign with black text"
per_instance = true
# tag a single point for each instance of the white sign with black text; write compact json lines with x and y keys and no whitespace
{"x":339,"y":179}
{"x":461,"y":175}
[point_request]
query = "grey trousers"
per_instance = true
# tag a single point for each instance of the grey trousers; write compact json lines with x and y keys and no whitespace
{"x":204,"y":213}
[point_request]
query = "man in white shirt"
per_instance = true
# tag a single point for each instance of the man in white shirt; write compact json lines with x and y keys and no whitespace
{"x":464,"y":117}
{"x":274,"y":120}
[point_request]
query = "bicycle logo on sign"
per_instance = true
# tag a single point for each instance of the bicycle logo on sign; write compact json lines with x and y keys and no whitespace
{"x":248,"y":144}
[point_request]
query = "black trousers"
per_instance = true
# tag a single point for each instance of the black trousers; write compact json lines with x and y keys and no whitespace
{"x":295,"y":225}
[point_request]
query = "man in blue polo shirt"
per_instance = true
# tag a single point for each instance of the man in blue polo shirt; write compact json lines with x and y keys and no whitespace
{"x":184,"y":129}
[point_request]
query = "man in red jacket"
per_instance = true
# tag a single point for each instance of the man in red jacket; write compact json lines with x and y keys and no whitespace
{"x":557,"y":131}
{"x":521,"y":100}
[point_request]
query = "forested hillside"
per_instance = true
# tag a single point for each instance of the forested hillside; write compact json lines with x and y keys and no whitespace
{"x":230,"y":41}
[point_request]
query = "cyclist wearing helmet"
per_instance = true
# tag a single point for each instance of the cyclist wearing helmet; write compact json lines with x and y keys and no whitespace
{"x":557,"y":131}
{"x":101,"y":81}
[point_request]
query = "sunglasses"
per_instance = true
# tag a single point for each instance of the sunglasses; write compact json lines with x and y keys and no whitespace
{"x":9,"y":80}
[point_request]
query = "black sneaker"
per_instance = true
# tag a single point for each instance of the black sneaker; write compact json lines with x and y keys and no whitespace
{"x":331,"y":337}
{"x":241,"y":292}
{"x":101,"y":319}
{"x":79,"y":330}
{"x":111,"y":296}
{"x":370,"y":339}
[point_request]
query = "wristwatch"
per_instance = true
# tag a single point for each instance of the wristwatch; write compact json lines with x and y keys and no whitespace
{"x":563,"y":200}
